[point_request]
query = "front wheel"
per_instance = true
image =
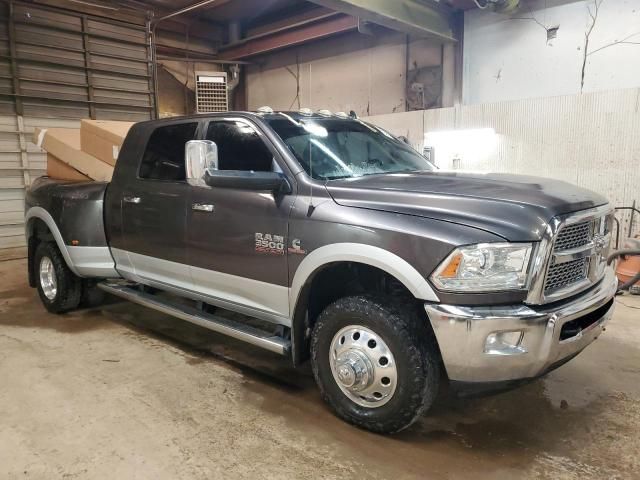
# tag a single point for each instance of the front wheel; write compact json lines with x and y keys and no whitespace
{"x":59,"y":289}
{"x":375,"y":362}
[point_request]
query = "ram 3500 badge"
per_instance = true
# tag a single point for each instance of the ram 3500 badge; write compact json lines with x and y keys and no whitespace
{"x":344,"y":245}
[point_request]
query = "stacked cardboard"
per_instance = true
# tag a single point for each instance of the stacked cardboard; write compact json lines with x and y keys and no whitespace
{"x":87,"y":153}
{"x":103,"y":138}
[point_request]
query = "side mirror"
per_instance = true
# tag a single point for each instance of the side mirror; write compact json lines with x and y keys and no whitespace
{"x":247,"y":180}
{"x":200,"y":156}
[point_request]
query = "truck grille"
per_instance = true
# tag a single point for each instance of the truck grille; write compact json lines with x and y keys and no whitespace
{"x":577,"y":239}
{"x":574,"y":236}
{"x":564,"y":274}
{"x":561,"y":275}
{"x":572,"y":255}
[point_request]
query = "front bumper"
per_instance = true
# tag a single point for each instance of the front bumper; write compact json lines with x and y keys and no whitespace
{"x":548,"y":339}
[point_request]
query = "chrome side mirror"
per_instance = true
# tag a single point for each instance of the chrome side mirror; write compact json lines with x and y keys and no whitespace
{"x":200,"y":156}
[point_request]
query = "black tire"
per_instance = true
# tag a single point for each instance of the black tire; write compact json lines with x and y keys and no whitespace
{"x":412,"y":344}
{"x":68,"y":285}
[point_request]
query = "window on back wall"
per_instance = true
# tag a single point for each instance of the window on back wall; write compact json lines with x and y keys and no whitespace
{"x":163,"y":158}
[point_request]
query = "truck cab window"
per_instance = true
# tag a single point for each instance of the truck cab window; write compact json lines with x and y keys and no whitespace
{"x":240,"y":146}
{"x":163,"y":158}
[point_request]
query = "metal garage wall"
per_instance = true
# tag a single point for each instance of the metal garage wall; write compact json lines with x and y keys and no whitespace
{"x":348,"y":72}
{"x":57,"y":67}
{"x":591,"y":140}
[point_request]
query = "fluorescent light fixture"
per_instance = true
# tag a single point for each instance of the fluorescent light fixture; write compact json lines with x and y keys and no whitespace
{"x":470,"y":148}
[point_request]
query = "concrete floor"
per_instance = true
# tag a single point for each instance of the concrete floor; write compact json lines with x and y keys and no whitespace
{"x":125,"y":392}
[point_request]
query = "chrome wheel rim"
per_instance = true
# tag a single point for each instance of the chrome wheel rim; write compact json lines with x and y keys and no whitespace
{"x":363,"y":366}
{"x":48,"y":280}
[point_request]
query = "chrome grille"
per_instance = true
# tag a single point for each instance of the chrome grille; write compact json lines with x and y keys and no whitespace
{"x":563,"y":274}
{"x":572,"y":255}
{"x":574,"y":236}
{"x":576,"y":256}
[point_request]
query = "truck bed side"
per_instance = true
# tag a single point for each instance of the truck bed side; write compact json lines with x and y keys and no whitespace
{"x":72,"y":215}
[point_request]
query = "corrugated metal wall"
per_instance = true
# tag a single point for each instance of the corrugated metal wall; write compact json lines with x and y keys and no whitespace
{"x":57,"y":67}
{"x":592,"y":140}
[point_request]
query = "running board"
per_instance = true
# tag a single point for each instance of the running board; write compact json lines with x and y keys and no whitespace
{"x":237,"y":330}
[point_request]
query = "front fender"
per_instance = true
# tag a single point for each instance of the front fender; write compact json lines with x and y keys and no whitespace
{"x":365,"y":254}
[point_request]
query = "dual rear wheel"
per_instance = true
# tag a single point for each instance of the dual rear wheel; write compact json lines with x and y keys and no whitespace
{"x":60,"y":290}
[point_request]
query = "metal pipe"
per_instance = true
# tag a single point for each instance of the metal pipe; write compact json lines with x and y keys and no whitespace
{"x":154,"y":65}
{"x":185,"y":10}
{"x":627,"y":208}
{"x":622,"y":253}
{"x":630,"y":283}
{"x":202,"y":60}
{"x":235,"y":77}
{"x":633,"y":211}
{"x":235,"y":32}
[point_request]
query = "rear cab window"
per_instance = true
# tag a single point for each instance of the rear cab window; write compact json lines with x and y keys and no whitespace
{"x":163,"y":157}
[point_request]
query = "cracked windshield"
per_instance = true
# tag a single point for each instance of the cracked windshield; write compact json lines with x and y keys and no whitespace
{"x":330,"y":149}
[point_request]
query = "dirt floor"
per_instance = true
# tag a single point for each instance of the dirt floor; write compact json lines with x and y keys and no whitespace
{"x":125,"y":392}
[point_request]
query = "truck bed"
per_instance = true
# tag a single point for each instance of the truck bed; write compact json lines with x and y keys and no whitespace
{"x":73,"y":213}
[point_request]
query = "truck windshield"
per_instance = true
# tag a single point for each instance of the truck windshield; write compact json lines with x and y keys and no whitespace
{"x":330,"y":148}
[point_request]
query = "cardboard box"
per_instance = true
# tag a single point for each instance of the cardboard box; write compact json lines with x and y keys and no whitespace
{"x":59,"y":170}
{"x":64,"y":144}
{"x":103,"y":138}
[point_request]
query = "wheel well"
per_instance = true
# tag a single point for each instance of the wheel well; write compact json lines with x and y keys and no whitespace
{"x":37,"y":231}
{"x":334,"y":281}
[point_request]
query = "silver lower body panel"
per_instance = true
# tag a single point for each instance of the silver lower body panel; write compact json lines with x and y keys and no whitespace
{"x":92,"y":262}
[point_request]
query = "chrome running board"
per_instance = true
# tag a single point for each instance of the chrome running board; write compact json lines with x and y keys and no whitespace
{"x":237,"y":330}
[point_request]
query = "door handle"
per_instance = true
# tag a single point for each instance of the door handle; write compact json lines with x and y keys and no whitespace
{"x":202,"y":207}
{"x":131,"y":199}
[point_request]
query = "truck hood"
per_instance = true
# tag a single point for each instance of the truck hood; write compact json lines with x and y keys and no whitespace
{"x":516,"y":207}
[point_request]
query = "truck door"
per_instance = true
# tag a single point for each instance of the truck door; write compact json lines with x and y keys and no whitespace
{"x":154,"y":210}
{"x":237,"y":239}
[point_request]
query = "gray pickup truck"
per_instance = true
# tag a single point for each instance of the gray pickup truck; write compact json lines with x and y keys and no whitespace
{"x":332,"y":240}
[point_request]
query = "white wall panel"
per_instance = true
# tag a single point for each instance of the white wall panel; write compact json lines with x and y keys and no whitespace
{"x":592,"y":140}
{"x":508,"y":57}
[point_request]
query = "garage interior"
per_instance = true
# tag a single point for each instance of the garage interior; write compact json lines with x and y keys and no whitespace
{"x":543,"y":88}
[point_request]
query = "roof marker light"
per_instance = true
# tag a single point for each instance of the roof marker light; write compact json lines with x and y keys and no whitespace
{"x":265,"y":109}
{"x":305,"y":111}
{"x":325,"y":113}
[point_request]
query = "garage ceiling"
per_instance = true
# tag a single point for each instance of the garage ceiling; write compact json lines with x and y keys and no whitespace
{"x":224,"y":11}
{"x":416,"y":17}
{"x":421,"y":18}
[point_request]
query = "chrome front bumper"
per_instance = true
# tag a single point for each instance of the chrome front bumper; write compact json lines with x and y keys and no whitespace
{"x":462,"y":333}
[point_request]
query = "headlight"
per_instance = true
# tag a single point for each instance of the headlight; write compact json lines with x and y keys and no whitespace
{"x":485,"y":267}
